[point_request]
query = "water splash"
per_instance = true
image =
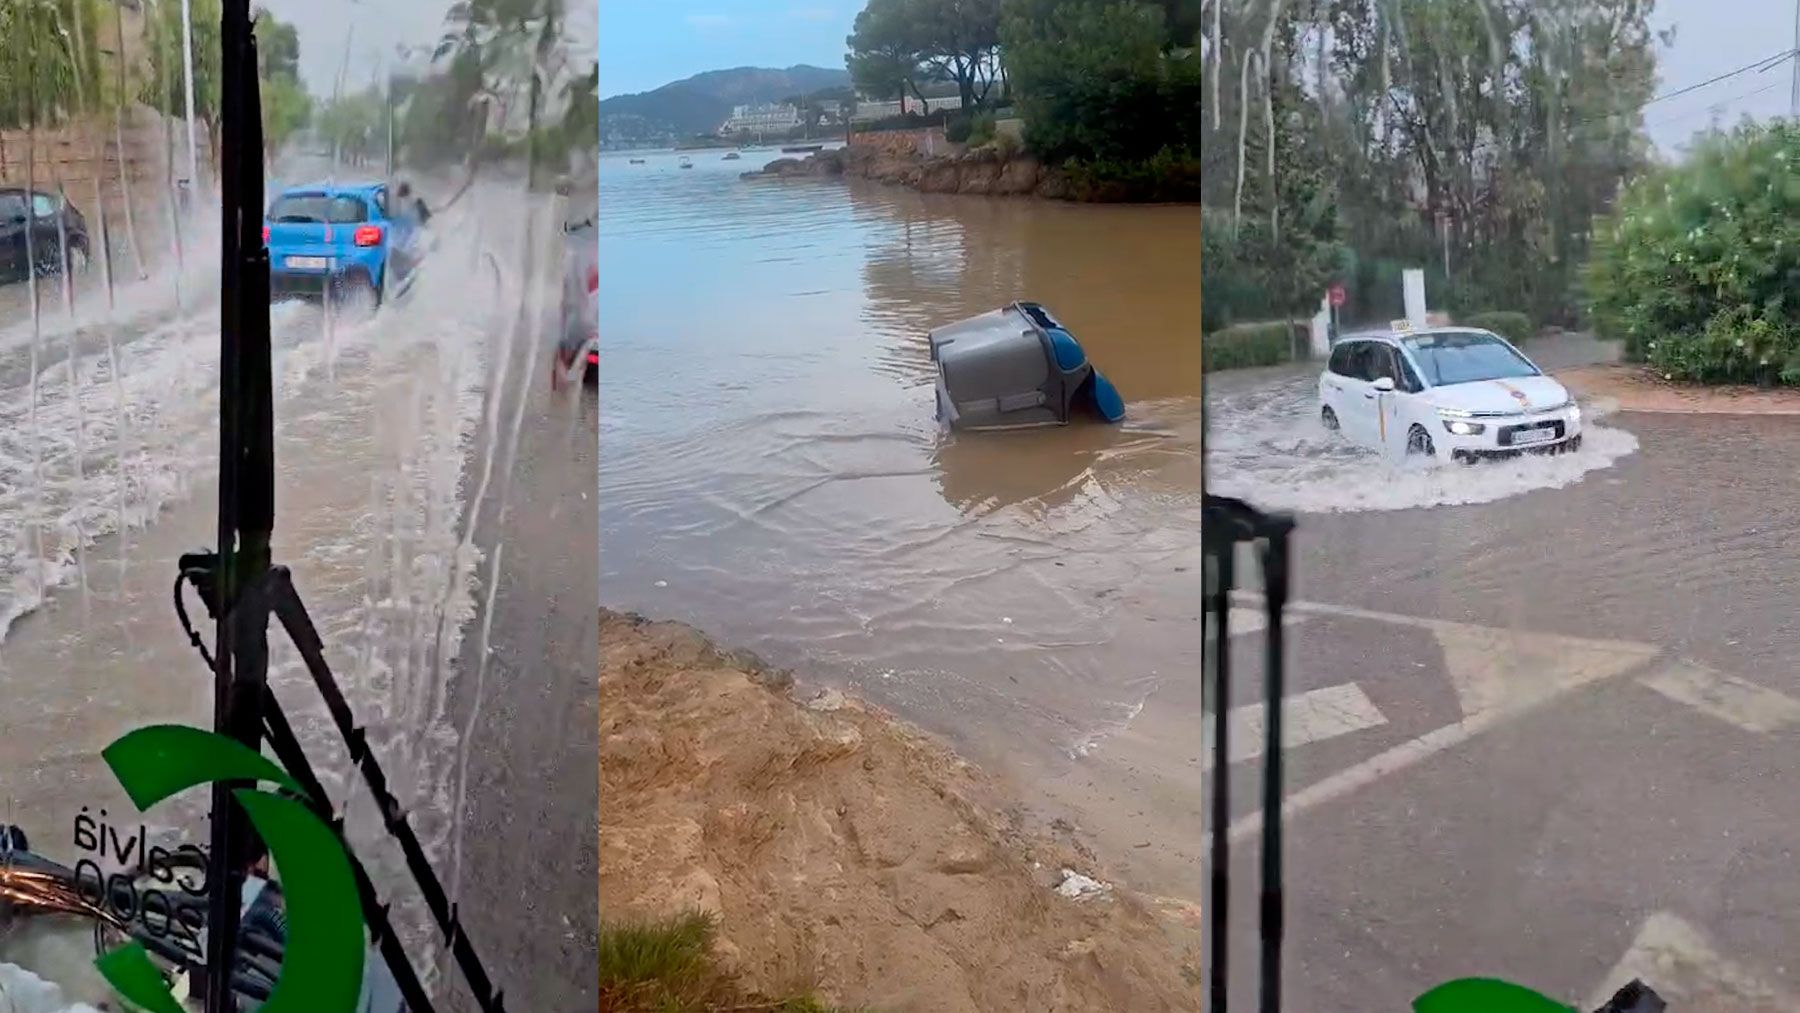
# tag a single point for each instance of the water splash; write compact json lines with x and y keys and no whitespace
{"x":1268,"y":447}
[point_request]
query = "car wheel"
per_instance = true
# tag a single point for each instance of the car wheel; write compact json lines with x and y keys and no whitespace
{"x":1418,"y":442}
{"x":78,"y":259}
{"x":1328,"y":418}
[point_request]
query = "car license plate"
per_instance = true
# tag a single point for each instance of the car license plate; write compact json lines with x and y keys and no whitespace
{"x":1534,"y":436}
{"x":310,"y":263}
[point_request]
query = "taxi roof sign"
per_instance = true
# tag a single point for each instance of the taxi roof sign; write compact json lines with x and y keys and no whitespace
{"x":1402,"y":326}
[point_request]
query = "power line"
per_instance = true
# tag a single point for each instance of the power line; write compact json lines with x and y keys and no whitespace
{"x":1690,"y":114}
{"x":1759,"y":66}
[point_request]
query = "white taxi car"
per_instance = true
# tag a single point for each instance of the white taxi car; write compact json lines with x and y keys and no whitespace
{"x":1454,"y":393}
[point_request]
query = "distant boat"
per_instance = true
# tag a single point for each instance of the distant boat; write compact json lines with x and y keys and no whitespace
{"x":801,"y":149}
{"x":686,"y":162}
{"x":732,"y":156}
{"x":637,"y":161}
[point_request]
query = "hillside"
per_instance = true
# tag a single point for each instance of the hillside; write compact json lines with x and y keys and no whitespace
{"x":700,"y":103}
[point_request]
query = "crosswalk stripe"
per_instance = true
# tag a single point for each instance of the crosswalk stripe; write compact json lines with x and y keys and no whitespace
{"x":1313,"y":716}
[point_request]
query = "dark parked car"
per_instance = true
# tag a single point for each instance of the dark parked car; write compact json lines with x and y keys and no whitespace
{"x":50,"y":220}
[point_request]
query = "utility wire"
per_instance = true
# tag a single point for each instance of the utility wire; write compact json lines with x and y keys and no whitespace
{"x":1759,"y":66}
{"x":1716,"y":106}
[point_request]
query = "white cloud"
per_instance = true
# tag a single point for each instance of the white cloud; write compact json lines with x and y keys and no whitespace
{"x":707,"y":21}
{"x":812,"y":14}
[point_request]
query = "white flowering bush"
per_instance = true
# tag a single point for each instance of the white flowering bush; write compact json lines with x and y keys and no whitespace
{"x":1698,"y":268}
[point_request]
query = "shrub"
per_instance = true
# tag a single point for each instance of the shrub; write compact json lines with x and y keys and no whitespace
{"x":1694,"y":270}
{"x":981,"y":128}
{"x":1514,"y":327}
{"x":905,"y":121}
{"x":958,"y":128}
{"x":1170,"y":175}
{"x":1241,"y":345}
{"x":1008,"y":145}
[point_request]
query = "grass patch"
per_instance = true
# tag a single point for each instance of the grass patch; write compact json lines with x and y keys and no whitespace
{"x":1514,"y":327}
{"x":1243,"y":345}
{"x":667,"y":967}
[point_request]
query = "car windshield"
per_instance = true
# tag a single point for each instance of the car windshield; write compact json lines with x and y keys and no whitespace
{"x":319,"y":209}
{"x":1461,"y":357}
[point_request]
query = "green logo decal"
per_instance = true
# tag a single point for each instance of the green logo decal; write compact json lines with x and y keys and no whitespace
{"x":322,"y":964}
{"x":1485,"y":995}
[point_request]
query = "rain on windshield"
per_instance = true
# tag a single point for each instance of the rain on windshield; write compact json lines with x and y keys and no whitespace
{"x":431,"y":477}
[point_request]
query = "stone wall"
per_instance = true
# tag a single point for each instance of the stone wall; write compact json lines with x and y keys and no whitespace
{"x":928,"y":141}
{"x":73,"y":155}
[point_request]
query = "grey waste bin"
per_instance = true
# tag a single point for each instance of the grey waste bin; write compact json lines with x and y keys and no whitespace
{"x":1015,"y":367}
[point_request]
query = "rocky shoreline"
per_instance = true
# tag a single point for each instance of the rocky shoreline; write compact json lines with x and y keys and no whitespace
{"x":985,"y":170}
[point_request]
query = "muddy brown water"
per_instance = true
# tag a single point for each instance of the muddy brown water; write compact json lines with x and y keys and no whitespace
{"x":771,"y":469}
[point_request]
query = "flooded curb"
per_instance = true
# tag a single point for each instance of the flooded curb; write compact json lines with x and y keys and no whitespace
{"x":1633,"y":388}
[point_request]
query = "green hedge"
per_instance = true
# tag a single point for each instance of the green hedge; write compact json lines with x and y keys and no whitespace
{"x":1241,"y":345}
{"x":1695,"y":270}
{"x":1514,"y":327}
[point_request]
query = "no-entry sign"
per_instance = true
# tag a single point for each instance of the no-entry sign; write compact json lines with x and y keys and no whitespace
{"x":1336,"y":294}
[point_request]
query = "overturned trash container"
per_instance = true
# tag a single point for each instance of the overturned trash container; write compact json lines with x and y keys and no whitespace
{"x":1016,"y":367}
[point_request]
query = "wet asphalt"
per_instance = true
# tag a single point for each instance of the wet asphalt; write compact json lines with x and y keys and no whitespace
{"x":1536,"y":849}
{"x":531,"y":826}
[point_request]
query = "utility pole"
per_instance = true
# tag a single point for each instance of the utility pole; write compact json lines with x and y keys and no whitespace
{"x":1794,"y":93}
{"x":187,"y":69}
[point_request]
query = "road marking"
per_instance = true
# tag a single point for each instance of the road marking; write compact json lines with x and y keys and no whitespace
{"x":1681,"y":966}
{"x":1313,"y":716}
{"x":1726,"y":697}
{"x":1508,"y":671}
{"x":1254,"y":620}
{"x":1499,"y":675}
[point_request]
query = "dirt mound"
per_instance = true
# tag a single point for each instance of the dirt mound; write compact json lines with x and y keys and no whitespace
{"x":842,"y":851}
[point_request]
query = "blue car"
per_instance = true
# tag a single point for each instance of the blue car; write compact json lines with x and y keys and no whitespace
{"x":352,"y":241}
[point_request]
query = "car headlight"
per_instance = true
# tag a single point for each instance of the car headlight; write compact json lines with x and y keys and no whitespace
{"x":1574,"y":412}
{"x":1463,"y":427}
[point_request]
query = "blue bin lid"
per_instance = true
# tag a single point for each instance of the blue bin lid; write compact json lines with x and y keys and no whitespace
{"x":1067,"y":350}
{"x":1107,"y":400}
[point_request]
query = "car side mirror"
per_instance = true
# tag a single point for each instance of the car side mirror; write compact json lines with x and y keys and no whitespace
{"x":1384,"y":384}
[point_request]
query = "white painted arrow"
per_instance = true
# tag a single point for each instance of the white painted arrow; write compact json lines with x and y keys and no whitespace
{"x":1681,"y":966}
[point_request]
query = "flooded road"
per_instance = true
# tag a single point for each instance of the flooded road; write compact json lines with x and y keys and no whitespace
{"x":382,"y":428}
{"x":772,"y":472}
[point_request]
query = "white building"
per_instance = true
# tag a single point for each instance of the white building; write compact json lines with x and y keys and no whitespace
{"x":868,"y":110}
{"x":767,"y":118}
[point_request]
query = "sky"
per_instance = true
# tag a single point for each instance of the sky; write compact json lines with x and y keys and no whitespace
{"x":1714,"y":37}
{"x":646,"y":44}
{"x":372,"y":28}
